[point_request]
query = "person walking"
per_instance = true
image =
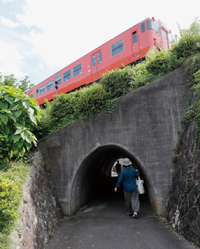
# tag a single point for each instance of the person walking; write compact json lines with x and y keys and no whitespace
{"x":118,"y":168}
{"x":131,"y":195}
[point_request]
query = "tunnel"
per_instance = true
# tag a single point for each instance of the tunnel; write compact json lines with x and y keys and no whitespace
{"x":94,"y":179}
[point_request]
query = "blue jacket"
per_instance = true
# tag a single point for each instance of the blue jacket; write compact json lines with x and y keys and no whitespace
{"x":127,"y":178}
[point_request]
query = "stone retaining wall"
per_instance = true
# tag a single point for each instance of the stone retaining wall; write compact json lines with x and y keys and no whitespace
{"x":40,"y":212}
{"x":183,"y":207}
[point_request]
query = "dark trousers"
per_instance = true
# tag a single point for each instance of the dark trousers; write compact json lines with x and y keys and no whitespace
{"x":132,"y":201}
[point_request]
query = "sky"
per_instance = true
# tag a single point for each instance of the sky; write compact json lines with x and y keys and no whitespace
{"x":40,"y":37}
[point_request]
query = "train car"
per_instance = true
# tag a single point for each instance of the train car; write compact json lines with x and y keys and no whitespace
{"x":128,"y":47}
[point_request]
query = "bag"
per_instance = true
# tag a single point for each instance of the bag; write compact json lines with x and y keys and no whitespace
{"x":140,"y":186}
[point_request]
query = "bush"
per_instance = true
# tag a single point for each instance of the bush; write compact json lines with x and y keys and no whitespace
{"x":91,"y":100}
{"x":9,"y":203}
{"x":11,"y":181}
{"x":192,"y":65}
{"x":118,"y":82}
{"x":18,"y":115}
{"x":157,"y":63}
{"x":186,"y":46}
{"x":189,"y":43}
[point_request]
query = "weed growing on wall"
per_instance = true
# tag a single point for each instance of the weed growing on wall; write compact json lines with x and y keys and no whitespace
{"x":192,"y":66}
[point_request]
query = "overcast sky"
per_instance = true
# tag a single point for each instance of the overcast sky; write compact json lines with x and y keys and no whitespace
{"x":40,"y":37}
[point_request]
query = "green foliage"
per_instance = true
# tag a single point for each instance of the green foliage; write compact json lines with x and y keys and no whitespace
{"x":9,"y":195}
{"x":11,"y":81}
{"x":189,"y":43}
{"x":91,"y":99}
{"x":118,"y":82}
{"x":25,"y":84}
{"x":163,"y":63}
{"x":192,"y":65}
{"x":11,"y":182}
{"x":158,"y":63}
{"x":18,"y":116}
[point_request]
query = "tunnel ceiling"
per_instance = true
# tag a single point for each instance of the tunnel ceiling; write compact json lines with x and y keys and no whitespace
{"x":102,"y":159}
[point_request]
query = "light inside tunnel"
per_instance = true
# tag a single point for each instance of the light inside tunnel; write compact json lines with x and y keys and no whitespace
{"x":94,"y":176}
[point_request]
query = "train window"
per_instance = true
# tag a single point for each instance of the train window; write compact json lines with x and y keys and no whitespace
{"x":77,"y":70}
{"x":134,"y":37}
{"x":117,"y":48}
{"x":67,"y":76}
{"x":36,"y":93}
{"x":164,"y":35}
{"x":99,"y":57}
{"x":143,"y":27}
{"x":49,"y":85}
{"x":170,"y":37}
{"x":58,"y":79}
{"x":42,"y":89}
{"x":93,"y":60}
{"x":153,"y":25}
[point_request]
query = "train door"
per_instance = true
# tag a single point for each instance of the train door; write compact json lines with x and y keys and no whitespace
{"x":135,"y":44}
{"x":96,"y":59}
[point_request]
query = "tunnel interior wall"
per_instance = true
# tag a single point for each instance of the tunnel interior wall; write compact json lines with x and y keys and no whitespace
{"x":146,"y":124}
{"x":94,"y":176}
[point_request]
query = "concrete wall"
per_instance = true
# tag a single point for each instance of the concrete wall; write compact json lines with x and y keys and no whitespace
{"x":145,"y":129}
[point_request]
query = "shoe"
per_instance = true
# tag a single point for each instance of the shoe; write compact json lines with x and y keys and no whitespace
{"x":135,"y":215}
{"x":129,"y":214}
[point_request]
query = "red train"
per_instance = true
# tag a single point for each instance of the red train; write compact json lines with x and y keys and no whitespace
{"x":129,"y":47}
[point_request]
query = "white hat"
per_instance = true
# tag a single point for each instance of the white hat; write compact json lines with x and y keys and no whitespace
{"x":126,"y":162}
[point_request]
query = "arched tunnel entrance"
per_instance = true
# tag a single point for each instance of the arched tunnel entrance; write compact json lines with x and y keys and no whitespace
{"x":94,"y":178}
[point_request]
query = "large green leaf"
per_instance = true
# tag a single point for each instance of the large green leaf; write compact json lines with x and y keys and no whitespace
{"x":2,"y":93}
{"x":12,"y":117}
{"x":17,"y":113}
{"x":5,"y":111}
{"x":28,"y":145}
{"x":17,"y":125}
{"x":31,"y":115}
{"x":26,"y":104}
{"x":16,"y":138}
{"x":14,"y":106}
{"x":9,"y":99}
{"x":20,"y":143}
{"x":24,"y":135}
{"x":3,"y":104}
{"x":7,"y":130}
{"x":17,"y":99}
{"x":4,"y":118}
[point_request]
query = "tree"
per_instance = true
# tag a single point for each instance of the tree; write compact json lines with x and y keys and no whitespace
{"x":25,"y":84}
{"x":18,"y":116}
{"x":10,"y":80}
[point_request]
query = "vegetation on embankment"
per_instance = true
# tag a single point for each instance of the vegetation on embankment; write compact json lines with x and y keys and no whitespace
{"x":12,"y":177}
{"x":68,"y":108}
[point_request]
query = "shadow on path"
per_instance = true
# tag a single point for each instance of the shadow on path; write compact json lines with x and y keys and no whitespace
{"x":103,"y":224}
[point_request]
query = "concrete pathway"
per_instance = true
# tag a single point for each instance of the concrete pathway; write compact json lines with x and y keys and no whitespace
{"x":103,"y":224}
